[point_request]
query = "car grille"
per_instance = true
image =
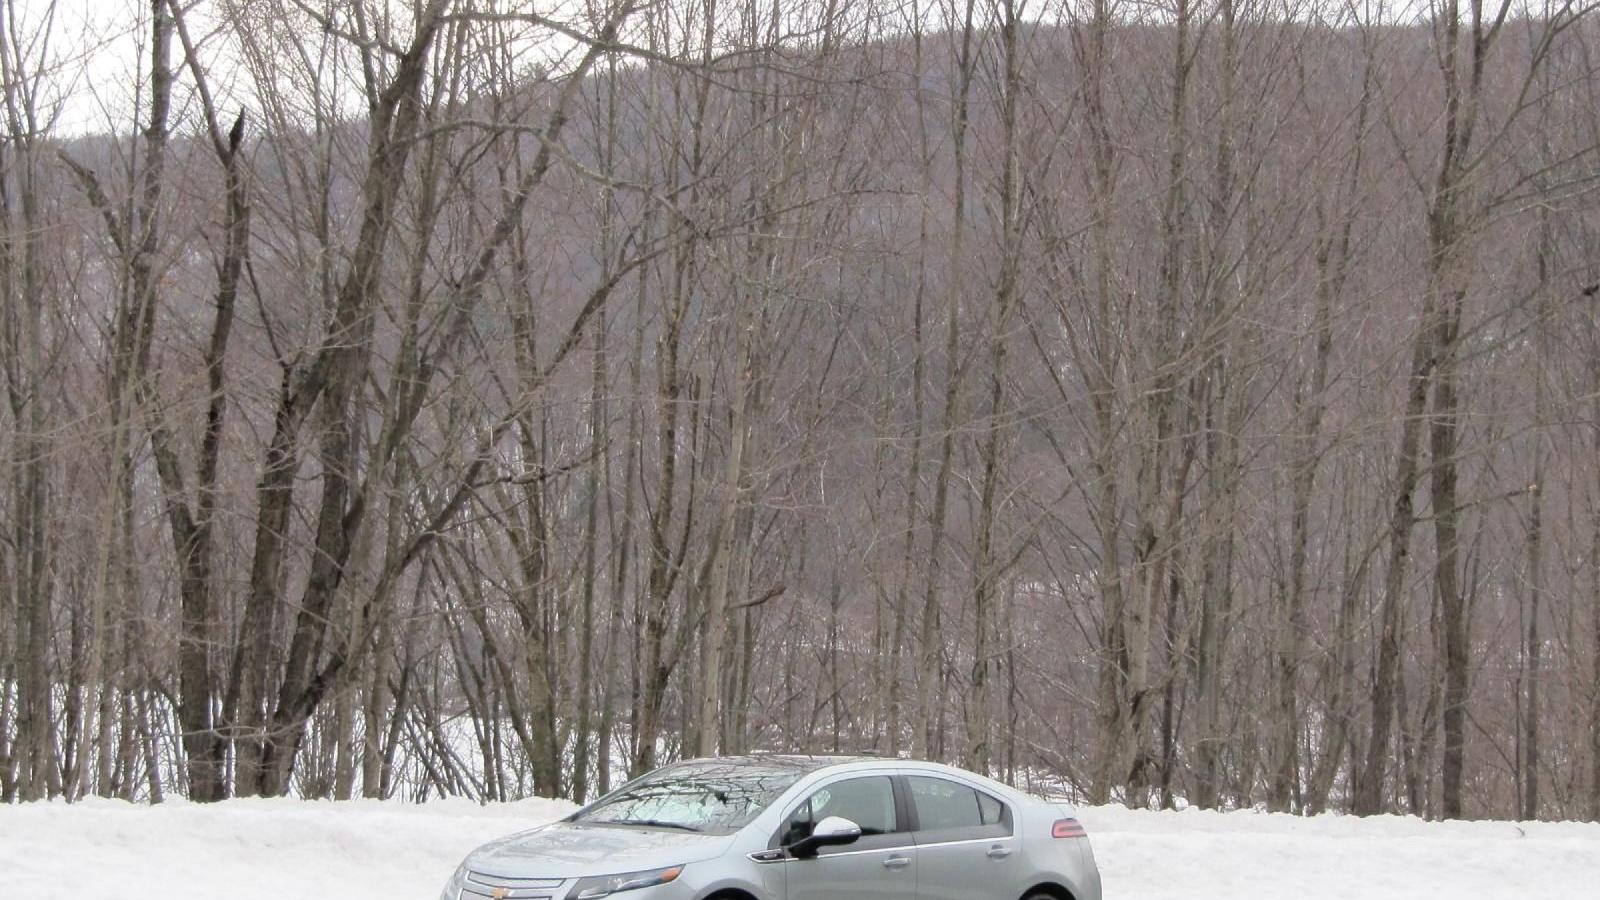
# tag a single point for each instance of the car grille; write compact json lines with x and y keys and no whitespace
{"x":503,"y":887}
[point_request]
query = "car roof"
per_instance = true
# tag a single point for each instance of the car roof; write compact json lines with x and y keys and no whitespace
{"x":796,"y":762}
{"x":801,"y":764}
{"x":806,"y":764}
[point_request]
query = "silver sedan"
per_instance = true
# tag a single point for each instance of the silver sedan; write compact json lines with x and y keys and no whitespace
{"x":795,"y":828}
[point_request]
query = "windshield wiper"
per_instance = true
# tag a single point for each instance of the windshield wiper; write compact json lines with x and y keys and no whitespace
{"x":655,"y":823}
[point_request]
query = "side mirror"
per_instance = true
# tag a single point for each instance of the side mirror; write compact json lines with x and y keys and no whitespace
{"x":830,"y":832}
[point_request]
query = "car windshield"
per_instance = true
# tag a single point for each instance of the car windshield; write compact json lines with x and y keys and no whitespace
{"x":711,"y":797}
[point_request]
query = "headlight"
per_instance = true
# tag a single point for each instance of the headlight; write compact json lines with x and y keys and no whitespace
{"x":605,"y":885}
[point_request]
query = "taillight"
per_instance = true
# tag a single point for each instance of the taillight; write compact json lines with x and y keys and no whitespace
{"x":1068,"y":828}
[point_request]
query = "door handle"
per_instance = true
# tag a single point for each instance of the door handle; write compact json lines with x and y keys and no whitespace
{"x":897,"y":862}
{"x":999,"y":852}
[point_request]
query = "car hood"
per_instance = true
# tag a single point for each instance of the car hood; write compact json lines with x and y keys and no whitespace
{"x":567,"y":850}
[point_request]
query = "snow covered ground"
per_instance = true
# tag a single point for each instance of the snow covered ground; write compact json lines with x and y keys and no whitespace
{"x":1199,"y":855}
{"x":258,"y":849}
{"x":247,"y":849}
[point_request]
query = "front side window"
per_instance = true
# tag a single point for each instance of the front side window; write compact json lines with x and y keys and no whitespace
{"x":715,"y":798}
{"x":953,"y":809}
{"x":868,"y":802}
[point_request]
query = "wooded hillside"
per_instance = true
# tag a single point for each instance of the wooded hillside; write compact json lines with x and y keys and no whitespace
{"x":1186,"y":401}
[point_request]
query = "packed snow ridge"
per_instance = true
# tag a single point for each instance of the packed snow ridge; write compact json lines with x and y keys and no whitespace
{"x":250,"y":849}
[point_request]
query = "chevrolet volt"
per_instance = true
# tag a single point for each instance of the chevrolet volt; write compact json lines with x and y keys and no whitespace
{"x":795,"y":828}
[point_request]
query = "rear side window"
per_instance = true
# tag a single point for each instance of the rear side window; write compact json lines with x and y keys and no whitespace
{"x":992,"y":811}
{"x":949,"y":810}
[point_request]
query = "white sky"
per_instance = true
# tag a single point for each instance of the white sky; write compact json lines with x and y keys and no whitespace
{"x":87,"y":47}
{"x":95,"y":49}
{"x":95,"y":54}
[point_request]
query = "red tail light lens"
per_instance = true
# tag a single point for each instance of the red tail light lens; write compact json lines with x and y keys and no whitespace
{"x":1068,"y":828}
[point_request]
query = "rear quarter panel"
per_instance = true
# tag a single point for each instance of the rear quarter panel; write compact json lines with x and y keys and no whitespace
{"x":1068,"y":862}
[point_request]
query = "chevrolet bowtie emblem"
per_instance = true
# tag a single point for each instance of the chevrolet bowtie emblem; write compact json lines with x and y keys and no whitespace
{"x":500,"y":893}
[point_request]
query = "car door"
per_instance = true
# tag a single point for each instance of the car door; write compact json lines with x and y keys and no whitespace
{"x":879,"y":865}
{"x":967,"y":848}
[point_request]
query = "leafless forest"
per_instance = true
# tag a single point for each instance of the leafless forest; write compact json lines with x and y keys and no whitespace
{"x":1182,"y":402}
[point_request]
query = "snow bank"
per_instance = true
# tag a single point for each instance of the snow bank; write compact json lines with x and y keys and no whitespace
{"x":247,"y":849}
{"x":1201,"y":855}
{"x":259,"y":849}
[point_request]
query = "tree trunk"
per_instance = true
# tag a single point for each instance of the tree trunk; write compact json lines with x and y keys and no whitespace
{"x":930,"y":643}
{"x":1368,"y":791}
